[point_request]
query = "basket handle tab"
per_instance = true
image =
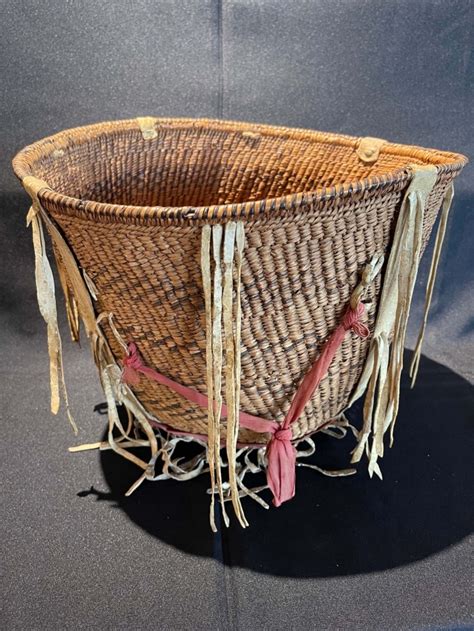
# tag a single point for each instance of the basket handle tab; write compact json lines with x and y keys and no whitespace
{"x":147,"y":127}
{"x":368,"y":149}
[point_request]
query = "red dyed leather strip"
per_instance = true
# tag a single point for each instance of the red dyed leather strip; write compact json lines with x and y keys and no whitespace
{"x":281,"y":453}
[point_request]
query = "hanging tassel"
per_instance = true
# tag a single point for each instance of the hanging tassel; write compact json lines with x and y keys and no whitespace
{"x":240,"y":244}
{"x":114,"y":419}
{"x":222,"y":308}
{"x":70,"y":270}
{"x":207,"y":288}
{"x":445,"y":208}
{"x":232,"y":351}
{"x":80,"y":303}
{"x":72,"y":310}
{"x":217,"y":351}
{"x":47,"y":305}
{"x":382,"y":371}
{"x":118,"y":393}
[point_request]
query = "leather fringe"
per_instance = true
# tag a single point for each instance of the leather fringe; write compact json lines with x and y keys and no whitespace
{"x":218,"y":279}
{"x":445,"y":208}
{"x":380,"y":379}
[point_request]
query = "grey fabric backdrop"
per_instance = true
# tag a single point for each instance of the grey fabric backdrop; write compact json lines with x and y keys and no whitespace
{"x":356,"y":555}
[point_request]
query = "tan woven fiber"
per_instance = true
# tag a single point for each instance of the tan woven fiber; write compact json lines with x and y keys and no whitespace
{"x":131,"y":205}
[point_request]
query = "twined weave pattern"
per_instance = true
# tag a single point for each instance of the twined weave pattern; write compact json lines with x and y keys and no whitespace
{"x":302,"y":258}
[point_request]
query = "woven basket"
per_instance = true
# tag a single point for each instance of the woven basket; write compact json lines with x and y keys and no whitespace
{"x":131,"y":204}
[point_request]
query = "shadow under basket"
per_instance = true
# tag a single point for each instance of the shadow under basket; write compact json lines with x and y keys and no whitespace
{"x":241,"y":285}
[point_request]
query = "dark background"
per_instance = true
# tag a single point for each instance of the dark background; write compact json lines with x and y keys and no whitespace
{"x":345,"y":554}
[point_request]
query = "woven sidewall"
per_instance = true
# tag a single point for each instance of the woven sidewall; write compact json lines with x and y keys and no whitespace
{"x":297,"y":277}
{"x":301,"y":263}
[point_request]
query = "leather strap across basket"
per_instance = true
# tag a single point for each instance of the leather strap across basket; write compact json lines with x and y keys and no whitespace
{"x":241,"y":286}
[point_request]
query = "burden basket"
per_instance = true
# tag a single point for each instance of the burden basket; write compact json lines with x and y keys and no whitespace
{"x":241,"y":286}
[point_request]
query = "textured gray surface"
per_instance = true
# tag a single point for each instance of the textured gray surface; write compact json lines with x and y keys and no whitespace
{"x":346,"y":554}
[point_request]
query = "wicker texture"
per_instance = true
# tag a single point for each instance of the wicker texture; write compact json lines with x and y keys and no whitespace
{"x":132,"y":211}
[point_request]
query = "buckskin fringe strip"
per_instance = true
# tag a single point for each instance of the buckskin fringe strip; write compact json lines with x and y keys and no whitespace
{"x":240,"y":244}
{"x":47,"y":306}
{"x":72,"y":311}
{"x":212,"y":425}
{"x":445,"y":208}
{"x":232,"y":367}
{"x":109,"y":371}
{"x":206,"y":281}
{"x":219,"y":248}
{"x":71,"y":277}
{"x":380,"y":378}
{"x":217,"y":357}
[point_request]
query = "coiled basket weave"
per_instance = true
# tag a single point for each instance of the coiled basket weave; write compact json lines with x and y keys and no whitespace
{"x":241,"y":286}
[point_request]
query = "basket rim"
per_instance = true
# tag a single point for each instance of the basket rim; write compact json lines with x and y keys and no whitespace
{"x":24,"y":165}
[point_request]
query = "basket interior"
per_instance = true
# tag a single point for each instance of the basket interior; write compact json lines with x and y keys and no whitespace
{"x":200,"y":165}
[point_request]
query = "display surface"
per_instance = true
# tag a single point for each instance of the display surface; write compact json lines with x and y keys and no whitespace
{"x":265,"y":267}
